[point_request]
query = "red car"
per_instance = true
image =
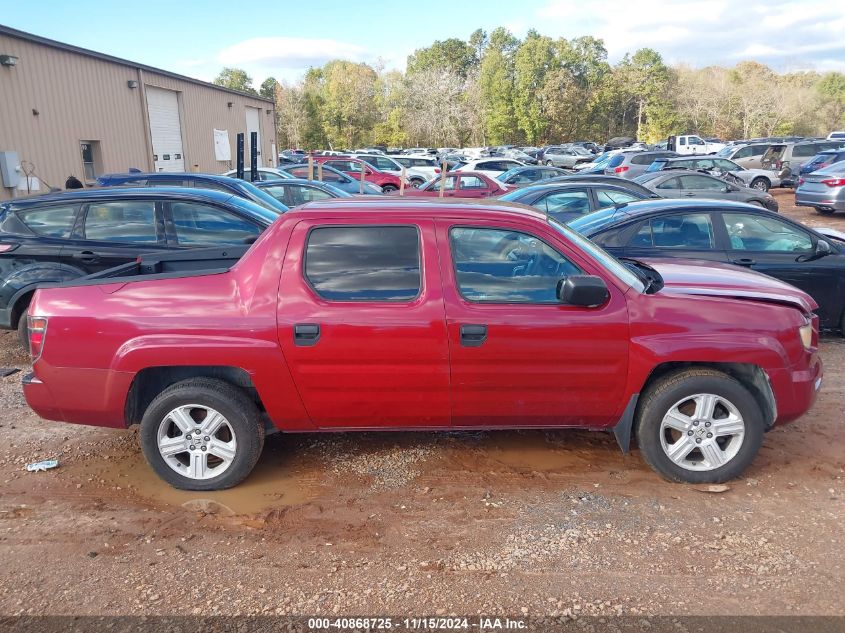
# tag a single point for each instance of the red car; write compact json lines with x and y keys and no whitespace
{"x":353,"y":166}
{"x":380,"y":314}
{"x":460,"y":184}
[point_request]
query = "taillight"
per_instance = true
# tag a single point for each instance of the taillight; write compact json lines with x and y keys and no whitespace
{"x":5,"y":248}
{"x":37,"y":334}
{"x":436,"y":170}
{"x":801,"y":181}
{"x":778,"y":164}
{"x":834,"y":182}
{"x":621,"y":170}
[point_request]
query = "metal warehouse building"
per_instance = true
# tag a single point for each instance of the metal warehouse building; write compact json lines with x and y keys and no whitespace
{"x":65,"y":110}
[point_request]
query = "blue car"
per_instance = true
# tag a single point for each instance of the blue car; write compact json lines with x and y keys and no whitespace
{"x":333,"y":177}
{"x":822,"y":160}
{"x":234,"y":186}
{"x":293,"y":192}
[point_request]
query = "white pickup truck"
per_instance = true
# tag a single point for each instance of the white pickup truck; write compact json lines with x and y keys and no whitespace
{"x":692,"y":144}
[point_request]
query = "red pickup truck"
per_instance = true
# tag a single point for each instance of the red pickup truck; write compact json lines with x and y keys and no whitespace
{"x":400,"y":314}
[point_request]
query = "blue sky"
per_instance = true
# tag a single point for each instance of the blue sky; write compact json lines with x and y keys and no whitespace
{"x":283,"y":38}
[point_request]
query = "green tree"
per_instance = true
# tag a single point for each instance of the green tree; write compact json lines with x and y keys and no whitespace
{"x":496,"y":78}
{"x":268,"y":88}
{"x":534,"y":60}
{"x":452,"y":55}
{"x":647,"y":78}
{"x":235,"y":79}
{"x":349,"y":106}
{"x":831,"y":90}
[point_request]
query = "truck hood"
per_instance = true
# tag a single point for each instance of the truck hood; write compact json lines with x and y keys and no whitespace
{"x":714,"y":279}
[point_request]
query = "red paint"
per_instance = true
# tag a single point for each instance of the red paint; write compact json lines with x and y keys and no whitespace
{"x":432,"y":189}
{"x":389,"y":365}
{"x":371,"y":174}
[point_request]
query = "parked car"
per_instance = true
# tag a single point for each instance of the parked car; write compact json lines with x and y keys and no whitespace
{"x":824,"y":190}
{"x":680,"y":183}
{"x":822,"y":160}
{"x":566,"y":156}
{"x":624,"y":183}
{"x":761,"y":179}
{"x":787,"y":158}
{"x":838,"y":135}
{"x":519,"y":155}
{"x":414,"y":177}
{"x":529,"y":174}
{"x":567,"y":201}
{"x":631,"y":164}
{"x":233,"y":186}
{"x":508,"y":319}
{"x":264,"y":173}
{"x":353,"y":167}
{"x":692,"y":144}
{"x":57,"y":237}
{"x":727,"y":232}
{"x":294,"y":192}
{"x":335,"y":178}
{"x":460,"y":184}
{"x":490,"y":167}
{"x":748,"y":155}
{"x":424,"y":164}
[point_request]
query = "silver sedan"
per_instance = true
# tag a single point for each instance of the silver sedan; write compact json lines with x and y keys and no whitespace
{"x":824,"y":190}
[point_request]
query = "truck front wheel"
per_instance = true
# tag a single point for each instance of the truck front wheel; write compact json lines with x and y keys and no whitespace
{"x":699,"y":426}
{"x":202,"y":434}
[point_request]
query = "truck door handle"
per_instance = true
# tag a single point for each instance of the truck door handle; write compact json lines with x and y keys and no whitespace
{"x":86,"y":256}
{"x":689,"y":194}
{"x":473,"y":335}
{"x":306,"y":334}
{"x":744,"y":261}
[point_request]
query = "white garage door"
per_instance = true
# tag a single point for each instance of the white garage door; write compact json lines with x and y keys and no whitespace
{"x":253,"y":124}
{"x":165,"y":129}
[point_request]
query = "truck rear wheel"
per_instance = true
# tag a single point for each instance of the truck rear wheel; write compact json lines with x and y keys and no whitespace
{"x":202,"y":434}
{"x":699,"y":426}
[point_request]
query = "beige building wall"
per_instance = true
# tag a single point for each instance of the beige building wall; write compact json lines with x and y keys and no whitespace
{"x":57,"y":97}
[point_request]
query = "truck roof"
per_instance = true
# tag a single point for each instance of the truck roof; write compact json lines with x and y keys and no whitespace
{"x":479,"y":208}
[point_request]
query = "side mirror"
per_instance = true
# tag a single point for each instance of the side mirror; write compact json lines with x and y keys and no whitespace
{"x":822,"y":248}
{"x":582,"y":290}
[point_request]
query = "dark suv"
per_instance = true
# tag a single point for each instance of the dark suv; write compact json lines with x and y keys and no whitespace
{"x":59,"y":237}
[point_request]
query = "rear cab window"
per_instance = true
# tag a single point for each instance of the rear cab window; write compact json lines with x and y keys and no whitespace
{"x":364,"y":263}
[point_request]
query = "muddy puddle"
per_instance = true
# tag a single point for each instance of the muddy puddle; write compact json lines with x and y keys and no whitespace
{"x":566,"y":451}
{"x":279,"y":479}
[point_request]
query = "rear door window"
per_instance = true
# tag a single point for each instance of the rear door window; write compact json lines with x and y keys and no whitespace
{"x":699,"y":183}
{"x":472,"y":182}
{"x":609,"y":197}
{"x":199,"y":224}
{"x":563,"y":204}
{"x":692,"y":231}
{"x":364,"y":263}
{"x":54,"y":221}
{"x":670,"y":183}
{"x":129,"y":221}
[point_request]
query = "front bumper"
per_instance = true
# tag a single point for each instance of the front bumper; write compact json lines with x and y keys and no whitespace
{"x":796,"y":390}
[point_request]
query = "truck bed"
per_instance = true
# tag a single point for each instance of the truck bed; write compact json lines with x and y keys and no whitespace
{"x":187,"y":263}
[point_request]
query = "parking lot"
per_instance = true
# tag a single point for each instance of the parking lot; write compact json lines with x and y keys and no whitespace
{"x":531,"y":523}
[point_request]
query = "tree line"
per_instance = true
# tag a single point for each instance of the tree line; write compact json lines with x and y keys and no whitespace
{"x":495,"y":89}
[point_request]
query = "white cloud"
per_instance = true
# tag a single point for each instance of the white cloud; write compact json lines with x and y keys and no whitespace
{"x":781,"y":33}
{"x":289,"y":52}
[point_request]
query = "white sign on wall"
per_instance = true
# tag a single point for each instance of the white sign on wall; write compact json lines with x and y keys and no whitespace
{"x":222,"y":150}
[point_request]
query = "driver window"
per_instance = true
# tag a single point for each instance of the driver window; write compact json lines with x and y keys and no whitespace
{"x":502,"y":266}
{"x":757,"y":233}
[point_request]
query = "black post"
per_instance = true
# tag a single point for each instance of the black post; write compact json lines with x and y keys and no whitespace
{"x":253,"y":156}
{"x":239,"y":158}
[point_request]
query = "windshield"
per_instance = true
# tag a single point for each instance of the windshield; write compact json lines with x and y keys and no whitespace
{"x":507,"y":174}
{"x":594,"y":221}
{"x":726,"y":152}
{"x":604,"y":258}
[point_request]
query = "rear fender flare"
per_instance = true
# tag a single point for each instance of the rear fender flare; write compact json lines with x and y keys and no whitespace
{"x":26,"y":279}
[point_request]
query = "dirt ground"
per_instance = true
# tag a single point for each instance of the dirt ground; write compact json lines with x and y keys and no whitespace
{"x":507,"y":523}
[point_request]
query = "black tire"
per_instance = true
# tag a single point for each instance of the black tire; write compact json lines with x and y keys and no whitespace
{"x":23,"y":328}
{"x":825,"y":210}
{"x":760,"y":184}
{"x":238,"y":409}
{"x":416,"y":183}
{"x":662,"y":395}
{"x":550,"y":163}
{"x":757,"y":203}
{"x":389,"y":188}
